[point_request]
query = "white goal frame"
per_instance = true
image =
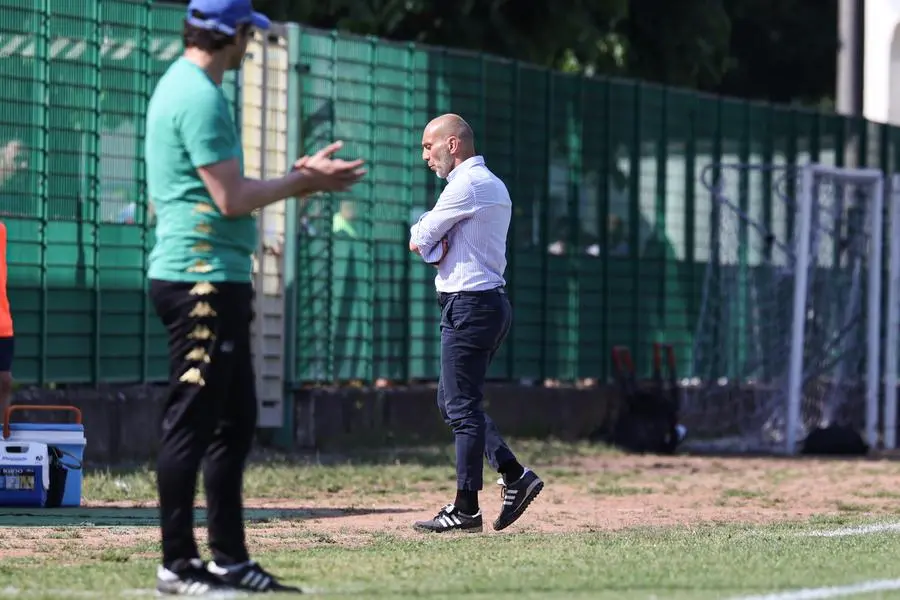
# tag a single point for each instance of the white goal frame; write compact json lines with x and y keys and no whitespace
{"x":881,"y":331}
{"x":893,"y":323}
{"x":805,"y":199}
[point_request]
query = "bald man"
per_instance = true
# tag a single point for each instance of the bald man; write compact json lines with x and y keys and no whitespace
{"x":464,"y":237}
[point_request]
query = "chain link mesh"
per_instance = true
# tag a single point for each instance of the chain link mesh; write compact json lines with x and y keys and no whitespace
{"x":742,"y":352}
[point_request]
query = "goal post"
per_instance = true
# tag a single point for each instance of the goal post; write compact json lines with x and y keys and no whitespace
{"x":893,"y":319}
{"x":811,"y":179}
{"x":789,"y":331}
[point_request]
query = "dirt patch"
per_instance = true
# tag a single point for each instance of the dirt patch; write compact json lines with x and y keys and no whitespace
{"x":595,"y":494}
{"x":584,"y":494}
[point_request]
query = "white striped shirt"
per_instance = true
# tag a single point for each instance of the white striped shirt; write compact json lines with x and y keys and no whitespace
{"x":473,"y":211}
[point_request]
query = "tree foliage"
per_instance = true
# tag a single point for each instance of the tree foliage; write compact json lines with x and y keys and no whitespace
{"x":777,"y":50}
{"x":782,"y":50}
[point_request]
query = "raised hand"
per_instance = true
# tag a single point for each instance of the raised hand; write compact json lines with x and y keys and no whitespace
{"x":322,"y":173}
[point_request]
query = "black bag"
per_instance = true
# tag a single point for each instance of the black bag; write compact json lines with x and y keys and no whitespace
{"x":648,"y":419}
{"x":59,"y":471}
{"x":834,"y":440}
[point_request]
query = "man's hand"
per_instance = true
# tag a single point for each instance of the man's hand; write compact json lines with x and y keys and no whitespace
{"x":445,"y":246}
{"x":322,"y":173}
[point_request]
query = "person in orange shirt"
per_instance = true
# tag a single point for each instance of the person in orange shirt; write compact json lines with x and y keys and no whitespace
{"x":6,"y":328}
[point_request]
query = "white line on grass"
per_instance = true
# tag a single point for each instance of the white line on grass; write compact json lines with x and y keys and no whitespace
{"x":855,"y":530}
{"x":11,"y":592}
{"x":866,"y":587}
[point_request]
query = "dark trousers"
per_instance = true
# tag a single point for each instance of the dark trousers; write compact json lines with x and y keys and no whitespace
{"x":209,"y":415}
{"x":7,"y":351}
{"x":472,"y":328}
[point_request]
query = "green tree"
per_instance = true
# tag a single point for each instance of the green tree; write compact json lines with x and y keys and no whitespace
{"x":678,"y":43}
{"x":545,"y":33}
{"x":782,"y":50}
{"x":776,"y":50}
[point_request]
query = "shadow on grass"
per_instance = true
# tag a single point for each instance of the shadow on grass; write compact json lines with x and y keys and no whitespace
{"x":149,"y":517}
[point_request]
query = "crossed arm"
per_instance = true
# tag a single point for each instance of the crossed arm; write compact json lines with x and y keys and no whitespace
{"x":428,"y":237}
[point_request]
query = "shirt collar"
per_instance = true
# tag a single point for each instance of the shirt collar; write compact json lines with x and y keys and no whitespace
{"x":465,"y":166}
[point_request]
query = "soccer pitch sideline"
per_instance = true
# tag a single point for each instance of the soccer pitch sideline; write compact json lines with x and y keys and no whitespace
{"x":606,"y":526}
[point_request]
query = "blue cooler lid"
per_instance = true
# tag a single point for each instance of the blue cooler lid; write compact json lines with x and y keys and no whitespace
{"x":46,"y":427}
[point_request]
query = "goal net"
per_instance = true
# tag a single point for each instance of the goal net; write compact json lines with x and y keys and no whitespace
{"x":788,"y":334}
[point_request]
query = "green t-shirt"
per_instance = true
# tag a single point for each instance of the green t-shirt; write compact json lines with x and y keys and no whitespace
{"x":189,"y":125}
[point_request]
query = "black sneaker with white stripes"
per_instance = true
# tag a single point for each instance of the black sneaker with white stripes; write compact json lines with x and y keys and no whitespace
{"x":249,"y":577}
{"x":516,"y":497}
{"x":450,"y":519}
{"x":188,"y":578}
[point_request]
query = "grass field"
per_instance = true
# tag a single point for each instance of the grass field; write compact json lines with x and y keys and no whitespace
{"x":607,"y":526}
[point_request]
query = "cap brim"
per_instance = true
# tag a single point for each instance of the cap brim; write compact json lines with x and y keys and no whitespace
{"x":261,"y":21}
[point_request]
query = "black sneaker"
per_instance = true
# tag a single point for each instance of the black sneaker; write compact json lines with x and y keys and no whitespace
{"x":450,"y":519}
{"x":249,"y":577}
{"x":188,"y":578}
{"x":516,"y":497}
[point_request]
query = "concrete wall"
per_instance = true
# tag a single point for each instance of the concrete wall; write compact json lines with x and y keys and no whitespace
{"x":334,"y":419}
{"x":121,"y":423}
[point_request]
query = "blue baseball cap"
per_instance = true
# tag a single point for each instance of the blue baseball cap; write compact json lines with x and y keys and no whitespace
{"x":225,"y":16}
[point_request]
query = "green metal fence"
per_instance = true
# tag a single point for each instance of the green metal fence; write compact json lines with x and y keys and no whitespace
{"x":608,"y":242}
{"x":77,"y":77}
{"x":610,"y":231}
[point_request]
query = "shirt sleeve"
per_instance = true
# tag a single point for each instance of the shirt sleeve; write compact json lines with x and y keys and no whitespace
{"x":455,"y":204}
{"x":207,"y":130}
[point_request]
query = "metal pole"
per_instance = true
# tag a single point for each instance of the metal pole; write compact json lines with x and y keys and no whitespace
{"x":795,"y":374}
{"x":873,"y":317}
{"x":851,"y":57}
{"x":893,"y":321}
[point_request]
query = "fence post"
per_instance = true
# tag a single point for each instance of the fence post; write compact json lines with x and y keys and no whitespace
{"x":511,"y":240}
{"x":662,"y":155}
{"x":285,"y":435}
{"x":93,"y":198}
{"x":143,"y":200}
{"x":545,"y":223}
{"x":408,"y":166}
{"x":862,"y":134}
{"x":840,"y":141}
{"x":634,"y":225}
{"x":740,"y":348}
{"x":815,"y":138}
{"x":791,"y":160}
{"x":720,"y":363}
{"x":368,"y":374}
{"x":603,"y":201}
{"x":42,"y":107}
{"x":574,"y":259}
{"x":690,"y":224}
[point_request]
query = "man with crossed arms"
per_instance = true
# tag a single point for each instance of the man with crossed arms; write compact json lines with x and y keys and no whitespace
{"x":464,"y":236}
